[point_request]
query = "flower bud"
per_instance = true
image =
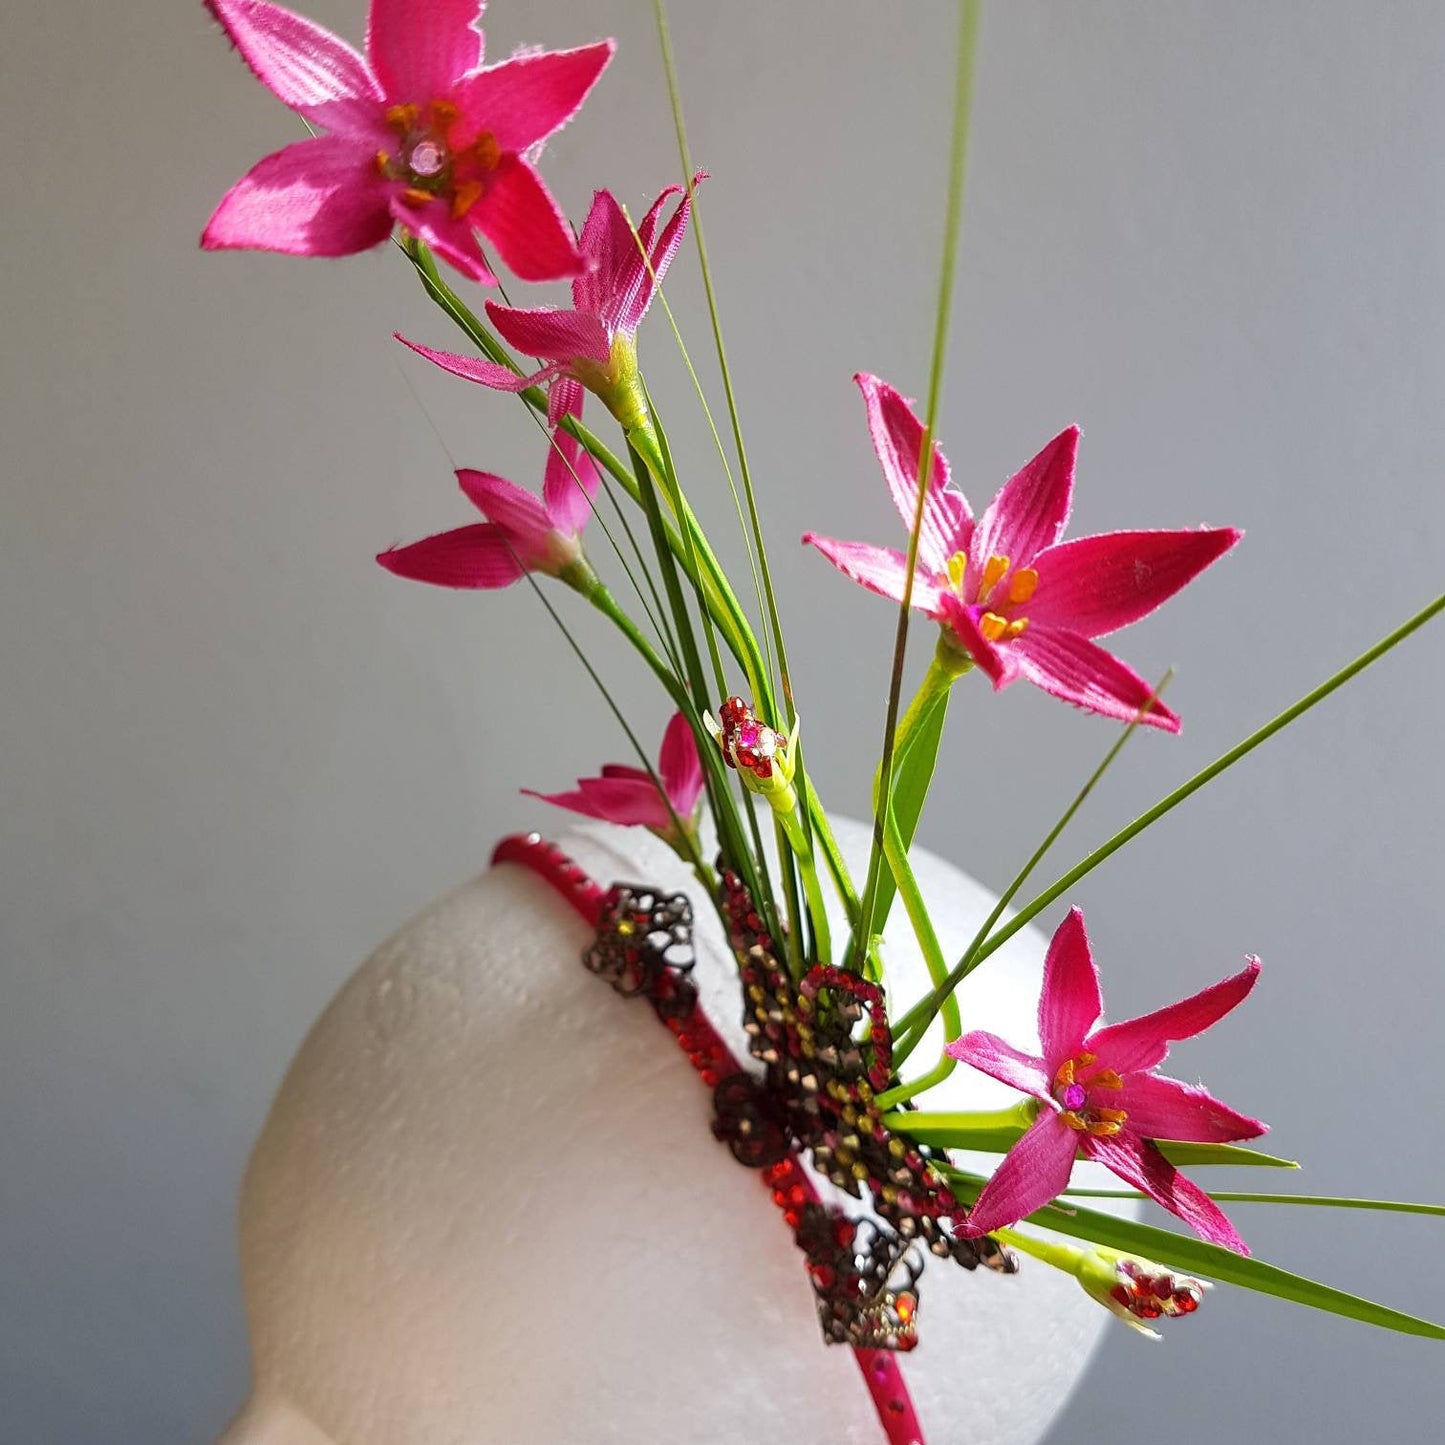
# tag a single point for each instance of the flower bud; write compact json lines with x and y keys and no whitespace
{"x":764,"y":758}
{"x":1135,"y":1289}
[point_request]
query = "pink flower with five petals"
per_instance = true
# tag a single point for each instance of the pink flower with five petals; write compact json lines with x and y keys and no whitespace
{"x":417,"y":134}
{"x":629,"y":795}
{"x":522,"y":533}
{"x":1011,"y":595}
{"x":1102,"y":1097}
{"x":595,"y":341}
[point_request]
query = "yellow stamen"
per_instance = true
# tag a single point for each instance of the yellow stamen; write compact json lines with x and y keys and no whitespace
{"x":487,"y":150}
{"x":1065,"y":1076}
{"x":1021,"y":585}
{"x":1084,"y":1060}
{"x":1014,"y":628}
{"x":993,"y":571}
{"x":443,"y":112}
{"x":1073,"y":1120}
{"x":401,"y":118}
{"x":383,"y":163}
{"x":465,"y":198}
{"x":414,"y":197}
{"x":992,"y":626}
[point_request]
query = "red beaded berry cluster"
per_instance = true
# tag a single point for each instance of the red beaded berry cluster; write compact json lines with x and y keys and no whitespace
{"x":1149,"y":1294}
{"x":746,"y":743}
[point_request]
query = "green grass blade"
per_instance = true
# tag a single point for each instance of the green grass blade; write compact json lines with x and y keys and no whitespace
{"x":957,"y":167}
{"x":1210,"y":1261}
{"x":907,"y":1034}
{"x":1226,"y":760}
{"x":1317,"y":1201}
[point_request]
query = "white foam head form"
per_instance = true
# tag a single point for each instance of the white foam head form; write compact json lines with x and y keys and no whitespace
{"x":486,"y":1206}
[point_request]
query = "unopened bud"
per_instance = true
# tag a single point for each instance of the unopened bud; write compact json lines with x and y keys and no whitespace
{"x":763,"y":757}
{"x":1137,"y":1290}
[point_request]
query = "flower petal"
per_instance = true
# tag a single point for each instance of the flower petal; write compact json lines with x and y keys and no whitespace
{"x":1031,"y":508}
{"x":517,"y":214}
{"x":556,"y":335}
{"x":622,"y":770}
{"x":450,"y":237}
{"x":476,"y":368}
{"x":990,"y":1055}
{"x":303,"y":65}
{"x":1095,"y":585}
{"x":617,"y":800}
{"x":1081,"y":672}
{"x":679,"y":766}
{"x":879,"y":569}
{"x":1071,"y":1001}
{"x":570,"y":480}
{"x":1160,"y":1108}
{"x":575,"y":802}
{"x":421,"y":51}
{"x":514,"y":509}
{"x":525,"y":99}
{"x":318,"y":197}
{"x":1142,"y":1043}
{"x":475,"y":556}
{"x":615,"y":268}
{"x":1138,"y":1162}
{"x":898,"y":440}
{"x":996,"y":662}
{"x":660,"y":255}
{"x":1035,"y":1171}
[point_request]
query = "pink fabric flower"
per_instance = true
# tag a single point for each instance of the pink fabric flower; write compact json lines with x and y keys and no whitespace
{"x":1018,"y":601}
{"x":417,"y":134}
{"x":1102,"y":1095}
{"x":629,"y":796}
{"x":595,"y":341}
{"x":522,"y":533}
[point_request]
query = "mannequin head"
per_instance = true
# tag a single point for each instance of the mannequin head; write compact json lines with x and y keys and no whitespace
{"x":487,"y":1205}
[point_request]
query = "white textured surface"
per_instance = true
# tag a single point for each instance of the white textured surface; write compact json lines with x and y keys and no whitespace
{"x":487,"y":1206}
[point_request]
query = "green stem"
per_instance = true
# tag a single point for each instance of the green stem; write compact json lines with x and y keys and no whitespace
{"x":908,"y":890}
{"x":1105,"y":850}
{"x":1048,"y":1251}
{"x":995,"y":1131}
{"x":944,"y":669}
{"x":962,"y":100}
{"x":800,"y":841}
{"x":907,"y":1034}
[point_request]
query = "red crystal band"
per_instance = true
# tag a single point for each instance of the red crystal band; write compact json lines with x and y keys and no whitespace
{"x":788,"y":1181}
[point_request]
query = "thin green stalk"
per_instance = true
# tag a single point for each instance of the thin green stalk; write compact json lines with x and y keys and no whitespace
{"x":917,"y":910}
{"x":905,"y":1027}
{"x":669,"y":64}
{"x":937,"y":682}
{"x":962,"y":103}
{"x":719,"y":794}
{"x":711,"y":582}
{"x":1172,"y":800}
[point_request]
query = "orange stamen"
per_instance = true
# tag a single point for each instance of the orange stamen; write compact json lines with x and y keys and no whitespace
{"x":401,"y":118}
{"x":487,"y":150}
{"x":465,"y":197}
{"x":993,"y":571}
{"x":382,"y":163}
{"x":1014,"y":628}
{"x":1021,"y":586}
{"x":443,"y":112}
{"x":414,"y":197}
{"x":992,"y":626}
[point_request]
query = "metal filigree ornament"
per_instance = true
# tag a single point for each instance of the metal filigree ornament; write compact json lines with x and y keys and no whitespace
{"x":826,"y":1051}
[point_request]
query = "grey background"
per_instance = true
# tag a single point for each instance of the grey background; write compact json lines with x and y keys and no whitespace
{"x":234,"y":754}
